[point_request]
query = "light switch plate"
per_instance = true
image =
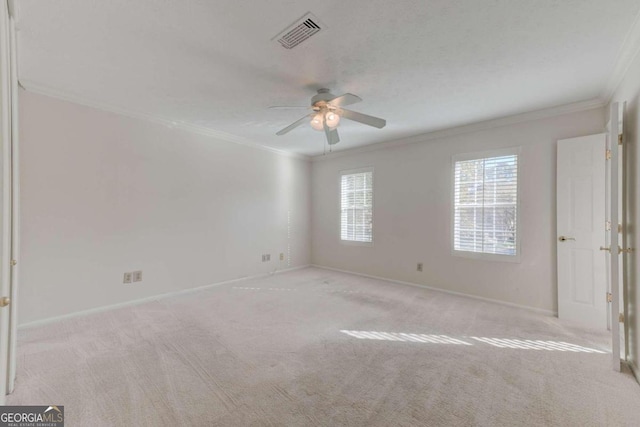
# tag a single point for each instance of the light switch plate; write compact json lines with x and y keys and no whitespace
{"x":127,"y":278}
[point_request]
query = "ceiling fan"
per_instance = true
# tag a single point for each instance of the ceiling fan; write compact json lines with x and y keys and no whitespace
{"x":327,"y":112}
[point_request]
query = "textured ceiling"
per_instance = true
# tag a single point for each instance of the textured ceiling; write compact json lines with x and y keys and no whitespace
{"x":422,"y":65}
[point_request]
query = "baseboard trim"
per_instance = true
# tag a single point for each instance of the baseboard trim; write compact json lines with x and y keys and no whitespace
{"x":139,"y":301}
{"x":634,"y":370}
{"x":446,"y":291}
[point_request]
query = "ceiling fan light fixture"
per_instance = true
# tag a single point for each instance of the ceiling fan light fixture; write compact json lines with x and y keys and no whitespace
{"x":317,"y":122}
{"x":328,"y":112}
{"x":332,"y":119}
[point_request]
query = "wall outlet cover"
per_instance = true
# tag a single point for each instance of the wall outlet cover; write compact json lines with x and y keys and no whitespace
{"x":419,"y":266}
{"x":137,"y":276}
{"x":127,"y":278}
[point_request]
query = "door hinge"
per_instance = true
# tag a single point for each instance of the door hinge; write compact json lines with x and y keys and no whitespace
{"x":609,"y":297}
{"x":619,"y":228}
{"x":620,"y":139}
{"x":621,"y":318}
{"x":607,"y":226}
{"x":620,"y":249}
{"x":607,"y":155}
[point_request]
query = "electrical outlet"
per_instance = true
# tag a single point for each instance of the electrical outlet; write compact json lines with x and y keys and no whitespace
{"x":266,"y":257}
{"x":127,"y":278}
{"x":137,"y":276}
{"x":419,"y":266}
{"x":281,"y":256}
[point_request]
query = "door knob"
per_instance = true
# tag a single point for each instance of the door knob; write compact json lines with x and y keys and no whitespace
{"x":564,"y":238}
{"x":5,"y":301}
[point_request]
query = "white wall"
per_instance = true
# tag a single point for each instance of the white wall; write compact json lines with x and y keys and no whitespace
{"x":629,"y":91}
{"x":412,"y":212}
{"x":103,"y":194}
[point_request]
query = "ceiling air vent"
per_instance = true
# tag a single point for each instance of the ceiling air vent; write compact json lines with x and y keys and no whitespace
{"x":299,"y":31}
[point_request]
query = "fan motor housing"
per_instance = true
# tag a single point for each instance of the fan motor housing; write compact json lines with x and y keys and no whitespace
{"x":322,"y":95}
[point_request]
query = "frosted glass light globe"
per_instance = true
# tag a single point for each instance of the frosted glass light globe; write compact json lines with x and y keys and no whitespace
{"x":317,"y":122}
{"x":332,"y":119}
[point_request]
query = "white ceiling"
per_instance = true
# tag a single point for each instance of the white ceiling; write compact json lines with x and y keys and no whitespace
{"x":422,"y":65}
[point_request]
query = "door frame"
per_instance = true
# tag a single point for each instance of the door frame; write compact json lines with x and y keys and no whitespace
{"x":14,"y":199}
{"x":623,"y":187}
{"x":624,"y":220}
{"x":613,"y":241}
{"x":9,"y":193}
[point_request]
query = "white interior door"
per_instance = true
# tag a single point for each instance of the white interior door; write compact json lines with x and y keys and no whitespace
{"x":582,"y":275}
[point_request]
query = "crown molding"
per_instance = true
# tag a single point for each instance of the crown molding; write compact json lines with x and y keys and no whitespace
{"x":628,"y":52}
{"x":200,"y":130}
{"x":468,"y":128}
{"x":223,"y":136}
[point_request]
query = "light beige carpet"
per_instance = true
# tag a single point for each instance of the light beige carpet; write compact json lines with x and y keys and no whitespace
{"x":316,"y":347}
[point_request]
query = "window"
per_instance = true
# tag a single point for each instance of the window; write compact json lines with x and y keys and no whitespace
{"x":485,"y":214}
{"x":356,"y":206}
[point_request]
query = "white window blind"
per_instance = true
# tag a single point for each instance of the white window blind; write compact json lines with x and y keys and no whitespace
{"x":485,"y":205}
{"x":356,"y":207}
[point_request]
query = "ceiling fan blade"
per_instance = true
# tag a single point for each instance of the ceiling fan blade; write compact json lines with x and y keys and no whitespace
{"x":288,"y":107}
{"x":346,"y":99}
{"x":363,"y":118}
{"x":294,"y":125}
{"x":332,"y":135}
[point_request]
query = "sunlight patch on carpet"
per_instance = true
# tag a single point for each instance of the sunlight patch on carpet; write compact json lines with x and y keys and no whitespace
{"x":395,"y":336}
{"x":536,"y":345}
{"x":495,"y":342}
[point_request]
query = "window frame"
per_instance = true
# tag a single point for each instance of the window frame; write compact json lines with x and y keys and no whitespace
{"x":351,"y":172}
{"x":511,"y":151}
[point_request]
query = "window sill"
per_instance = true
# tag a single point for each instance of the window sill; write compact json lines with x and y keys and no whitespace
{"x":355,"y":243}
{"x":481,"y":256}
